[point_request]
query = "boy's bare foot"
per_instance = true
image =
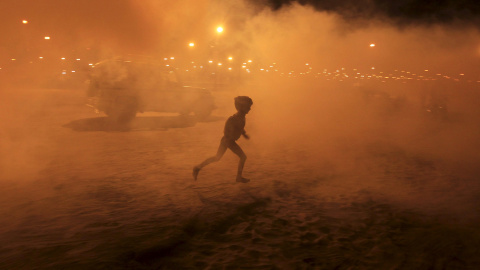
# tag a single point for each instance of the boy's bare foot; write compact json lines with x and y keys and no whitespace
{"x":196,"y":170}
{"x":242,"y":180}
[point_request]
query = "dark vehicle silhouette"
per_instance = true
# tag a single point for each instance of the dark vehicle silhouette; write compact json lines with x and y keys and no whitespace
{"x":123,"y":87}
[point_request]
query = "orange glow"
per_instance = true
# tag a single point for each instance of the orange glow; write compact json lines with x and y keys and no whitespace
{"x":191,"y":44}
{"x":372,"y":45}
{"x":47,"y":37}
{"x":24,"y":21}
{"x":219,"y":29}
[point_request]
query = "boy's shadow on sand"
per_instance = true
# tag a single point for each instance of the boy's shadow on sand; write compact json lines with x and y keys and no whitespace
{"x":147,"y":123}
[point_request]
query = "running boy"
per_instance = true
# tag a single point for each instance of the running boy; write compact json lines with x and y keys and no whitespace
{"x":234,"y":127}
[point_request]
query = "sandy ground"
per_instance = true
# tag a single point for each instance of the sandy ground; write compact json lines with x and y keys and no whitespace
{"x":330,"y":189}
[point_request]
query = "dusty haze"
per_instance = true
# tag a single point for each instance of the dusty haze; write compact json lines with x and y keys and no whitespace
{"x":292,"y":48}
{"x":327,"y":103}
{"x":295,"y":46}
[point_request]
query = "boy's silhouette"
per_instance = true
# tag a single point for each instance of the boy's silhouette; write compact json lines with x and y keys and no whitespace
{"x":234,"y":127}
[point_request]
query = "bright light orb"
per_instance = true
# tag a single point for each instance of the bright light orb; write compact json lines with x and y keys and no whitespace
{"x":24,"y":21}
{"x":47,"y":38}
{"x":219,"y":29}
{"x":191,"y":44}
{"x":372,"y":45}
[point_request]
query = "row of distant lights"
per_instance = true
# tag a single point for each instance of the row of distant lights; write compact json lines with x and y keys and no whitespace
{"x":62,"y":58}
{"x":291,"y":73}
{"x":358,"y":75}
{"x":337,"y":71}
{"x":244,"y":65}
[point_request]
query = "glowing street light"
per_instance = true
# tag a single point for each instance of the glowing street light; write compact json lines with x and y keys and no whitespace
{"x":47,"y":38}
{"x":191,"y":44}
{"x":24,"y":21}
{"x":219,"y":29}
{"x":372,"y":45}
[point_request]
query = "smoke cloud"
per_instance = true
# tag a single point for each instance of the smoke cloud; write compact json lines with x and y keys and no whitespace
{"x":359,"y":107}
{"x":317,"y":82}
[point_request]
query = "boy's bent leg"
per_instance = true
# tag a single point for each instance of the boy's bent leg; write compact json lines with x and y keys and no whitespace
{"x":241,"y":163}
{"x":221,"y":150}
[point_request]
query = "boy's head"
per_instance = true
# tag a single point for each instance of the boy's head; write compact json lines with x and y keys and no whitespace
{"x":243,"y":104}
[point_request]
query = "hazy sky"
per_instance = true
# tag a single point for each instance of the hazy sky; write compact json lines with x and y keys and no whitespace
{"x":330,"y":33}
{"x":67,"y":22}
{"x":136,"y":20}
